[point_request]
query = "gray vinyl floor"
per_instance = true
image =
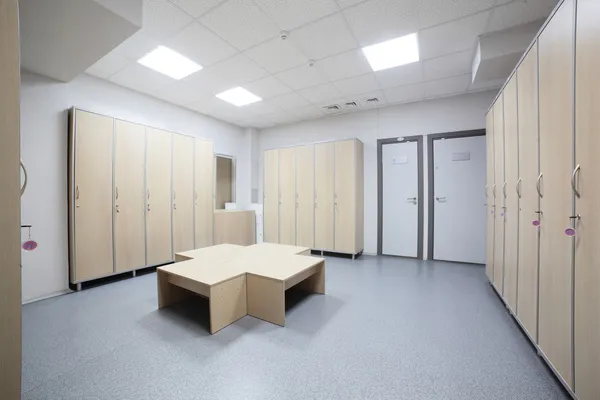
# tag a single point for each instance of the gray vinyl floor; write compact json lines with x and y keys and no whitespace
{"x":388,"y":328}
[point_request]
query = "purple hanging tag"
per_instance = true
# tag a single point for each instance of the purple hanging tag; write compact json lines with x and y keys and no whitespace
{"x":570,"y":232}
{"x":536,"y":223}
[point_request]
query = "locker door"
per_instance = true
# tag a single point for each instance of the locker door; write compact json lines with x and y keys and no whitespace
{"x":204,"y":177}
{"x":271,"y":196}
{"x":511,"y":214}
{"x":345,"y":196}
{"x":183,"y":193}
{"x":158,"y":197}
{"x":130,"y":240}
{"x":93,"y":196}
{"x":556,"y":143}
{"x":287,"y":196}
{"x":529,"y":203}
{"x":587,"y":253}
{"x":490,"y":199}
{"x":324,"y":193}
{"x":305,"y":188}
{"x":498,"y":192}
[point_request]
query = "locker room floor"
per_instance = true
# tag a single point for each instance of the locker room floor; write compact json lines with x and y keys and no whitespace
{"x":388,"y":328}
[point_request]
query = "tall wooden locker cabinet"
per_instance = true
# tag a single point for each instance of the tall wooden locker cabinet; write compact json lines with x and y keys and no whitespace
{"x":305,"y":196}
{"x":129,"y":214}
{"x":183,"y":193}
{"x":92,"y":236}
{"x":556,"y":161}
{"x":511,"y":193}
{"x":499,"y":192}
{"x":345,"y":196}
{"x":585,"y":181}
{"x":204,"y":186}
{"x":158,"y":197}
{"x":490,"y":196}
{"x":287,"y":196}
{"x":324,"y":196}
{"x":271,"y":196}
{"x":527,"y":300}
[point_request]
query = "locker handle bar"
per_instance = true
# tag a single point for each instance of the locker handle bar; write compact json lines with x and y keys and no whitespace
{"x":573,"y":180}
{"x":117,"y":193}
{"x":494,"y":190}
{"x":24,"y":187}
{"x":575,"y":216}
{"x":504,"y":188}
{"x":486,"y":188}
{"x":77,"y":192}
{"x":537,"y":185}
{"x":519,"y":187}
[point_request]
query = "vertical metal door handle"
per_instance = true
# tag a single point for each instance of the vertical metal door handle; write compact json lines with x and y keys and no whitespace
{"x":494,"y":190}
{"x":25,"y":176}
{"x":117,"y":193}
{"x":486,"y":194}
{"x":504,"y":189}
{"x":148,"y":194}
{"x":573,"y":180}
{"x":77,"y":193}
{"x":537,"y":185}
{"x":519,"y":187}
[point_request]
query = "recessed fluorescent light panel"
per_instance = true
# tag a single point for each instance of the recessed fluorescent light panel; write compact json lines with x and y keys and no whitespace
{"x":169,"y":62}
{"x":393,"y":53}
{"x":238,"y":96}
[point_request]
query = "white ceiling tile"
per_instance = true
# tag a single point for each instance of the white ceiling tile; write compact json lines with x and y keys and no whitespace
{"x":402,"y":94}
{"x":306,"y":112}
{"x":203,"y":106}
{"x":325,"y":37}
{"x":452,"y":37}
{"x":363,"y":99}
{"x":345,"y":65}
{"x":238,"y":69}
{"x":108,"y":65}
{"x":317,"y":94}
{"x":180,"y":93}
{"x":446,"y":66}
{"x":276,"y":55}
{"x":136,"y":46}
{"x":437,"y":12}
{"x":241,"y":23}
{"x":447,"y":86}
{"x":358,"y":85}
{"x":196,"y":7}
{"x":140,"y":78}
{"x":281,"y":117}
{"x":302,"y":77}
{"x":207,"y":81}
{"x":161,"y":19}
{"x":267,"y":87}
{"x":290,"y":14}
{"x":201,"y":45}
{"x":379,"y":20}
{"x":519,"y":12}
{"x":262,"y":108}
{"x":288,"y":101}
{"x":348,"y":3}
{"x":403,"y":75}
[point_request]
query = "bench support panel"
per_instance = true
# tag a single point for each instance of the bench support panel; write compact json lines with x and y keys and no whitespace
{"x":228,"y":303}
{"x":169,"y":294}
{"x":316,"y":282}
{"x":266,"y":299}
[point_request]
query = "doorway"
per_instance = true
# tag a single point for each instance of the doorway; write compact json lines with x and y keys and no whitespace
{"x":400,"y":196}
{"x":457,"y":215}
{"x":225,"y":185}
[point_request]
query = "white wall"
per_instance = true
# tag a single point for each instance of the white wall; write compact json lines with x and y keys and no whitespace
{"x":451,"y":114}
{"x":44,"y":105}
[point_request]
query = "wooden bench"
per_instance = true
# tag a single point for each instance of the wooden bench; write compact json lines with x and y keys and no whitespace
{"x":241,"y":281}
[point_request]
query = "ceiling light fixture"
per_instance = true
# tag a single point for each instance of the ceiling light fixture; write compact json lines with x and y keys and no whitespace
{"x":169,"y":62}
{"x":393,"y":53}
{"x":238,"y":96}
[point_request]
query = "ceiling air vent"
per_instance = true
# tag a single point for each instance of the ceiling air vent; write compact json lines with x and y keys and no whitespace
{"x":373,"y":100}
{"x":332,"y":109}
{"x":350,"y":105}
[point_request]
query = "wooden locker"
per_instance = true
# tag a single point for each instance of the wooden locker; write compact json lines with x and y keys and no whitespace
{"x":511,"y":213}
{"x":359,"y":176}
{"x":324,"y":196}
{"x":271,"y":196}
{"x":498,"y":192}
{"x":556,"y":143}
{"x":490,"y":198}
{"x":305,"y":188}
{"x":527,"y":297}
{"x":130,"y":153}
{"x":345,"y":196}
{"x":287,"y":196}
{"x":587,"y":250}
{"x":93,"y":231}
{"x":204,"y":184}
{"x":158,"y":197}
{"x":183,"y":193}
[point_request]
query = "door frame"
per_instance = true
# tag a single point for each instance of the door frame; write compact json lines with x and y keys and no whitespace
{"x":431,"y":183}
{"x":395,"y":140}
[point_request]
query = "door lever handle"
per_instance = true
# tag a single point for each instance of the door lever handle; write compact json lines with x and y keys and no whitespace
{"x":440,"y":199}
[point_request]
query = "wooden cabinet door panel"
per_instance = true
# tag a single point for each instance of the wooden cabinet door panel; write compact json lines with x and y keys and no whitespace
{"x":183,"y":193}
{"x":345,"y":196}
{"x":204,"y":185}
{"x":305,"y":188}
{"x":324,"y":196}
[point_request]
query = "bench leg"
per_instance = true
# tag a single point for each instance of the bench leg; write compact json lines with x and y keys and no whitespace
{"x":316,"y":282}
{"x":266,"y":299}
{"x":228,"y":303}
{"x":169,"y":294}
